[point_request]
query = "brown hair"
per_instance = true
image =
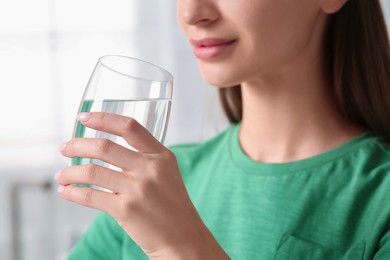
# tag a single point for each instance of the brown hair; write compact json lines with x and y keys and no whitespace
{"x":357,"y":56}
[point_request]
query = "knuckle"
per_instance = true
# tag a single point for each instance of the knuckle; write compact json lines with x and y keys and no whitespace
{"x":91,"y":172}
{"x":130,"y":124}
{"x":99,"y":115}
{"x":100,"y":118}
{"x":80,"y":195}
{"x":158,"y":164}
{"x":169,"y":155}
{"x":104,"y":145}
{"x":69,"y":191}
{"x":153,"y":166}
{"x":86,"y":195}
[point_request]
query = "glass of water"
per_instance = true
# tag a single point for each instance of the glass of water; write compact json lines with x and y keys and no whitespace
{"x":129,"y":87}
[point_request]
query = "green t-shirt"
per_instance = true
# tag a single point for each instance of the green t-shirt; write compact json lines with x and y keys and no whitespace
{"x":332,"y":206}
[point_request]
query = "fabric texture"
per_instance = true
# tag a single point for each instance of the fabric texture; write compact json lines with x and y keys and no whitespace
{"x":335,"y":205}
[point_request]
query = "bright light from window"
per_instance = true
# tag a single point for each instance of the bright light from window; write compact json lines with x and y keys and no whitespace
{"x":96,"y":15}
{"x":48,"y":49}
{"x":24,"y":16}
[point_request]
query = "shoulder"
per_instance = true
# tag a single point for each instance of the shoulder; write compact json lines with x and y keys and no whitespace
{"x":376,"y":155}
{"x":383,"y":147}
{"x":371,"y":171}
{"x":193,"y":153}
{"x":371,"y":160}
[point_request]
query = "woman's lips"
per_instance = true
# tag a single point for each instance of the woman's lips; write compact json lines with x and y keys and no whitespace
{"x":209,"y":48}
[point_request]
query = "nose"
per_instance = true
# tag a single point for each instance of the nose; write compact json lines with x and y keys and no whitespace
{"x":197,"y":12}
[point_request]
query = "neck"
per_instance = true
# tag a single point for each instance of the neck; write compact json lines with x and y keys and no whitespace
{"x":292,"y":116}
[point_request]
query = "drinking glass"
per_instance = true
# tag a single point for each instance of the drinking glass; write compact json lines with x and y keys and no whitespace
{"x":128,"y":87}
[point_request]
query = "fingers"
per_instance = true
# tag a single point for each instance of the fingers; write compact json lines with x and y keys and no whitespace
{"x":133,"y":132}
{"x":95,"y":175}
{"x":89,"y":197}
{"x":102,"y":149}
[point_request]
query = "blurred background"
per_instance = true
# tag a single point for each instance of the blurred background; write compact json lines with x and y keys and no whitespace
{"x":48,"y":49}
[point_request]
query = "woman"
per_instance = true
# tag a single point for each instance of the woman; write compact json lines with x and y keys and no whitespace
{"x":302,"y":173}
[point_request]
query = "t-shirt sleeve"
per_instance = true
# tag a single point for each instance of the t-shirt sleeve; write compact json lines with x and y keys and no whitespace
{"x":103,"y":240}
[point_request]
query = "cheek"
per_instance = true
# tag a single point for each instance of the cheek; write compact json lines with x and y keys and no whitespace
{"x":180,"y":15}
{"x":271,"y":35}
{"x":281,"y":32}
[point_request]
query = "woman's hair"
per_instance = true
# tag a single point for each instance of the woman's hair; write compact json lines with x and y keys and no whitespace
{"x":357,"y":59}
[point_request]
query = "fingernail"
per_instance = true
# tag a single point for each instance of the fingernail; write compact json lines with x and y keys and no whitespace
{"x":57,"y":175}
{"x":62,"y":147}
{"x":83,"y":117}
{"x":61,"y":188}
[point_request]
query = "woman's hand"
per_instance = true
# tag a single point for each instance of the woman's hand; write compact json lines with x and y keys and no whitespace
{"x":149,"y":199}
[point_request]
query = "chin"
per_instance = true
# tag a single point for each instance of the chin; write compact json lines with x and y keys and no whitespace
{"x":219,"y":77}
{"x":221,"y":83}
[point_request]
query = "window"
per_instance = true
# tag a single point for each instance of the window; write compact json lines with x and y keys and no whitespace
{"x":46,"y":51}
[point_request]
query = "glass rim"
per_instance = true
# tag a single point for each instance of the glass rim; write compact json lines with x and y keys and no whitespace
{"x":165,"y":72}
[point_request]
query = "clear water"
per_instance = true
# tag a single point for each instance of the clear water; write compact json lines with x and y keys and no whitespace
{"x":152,"y":114}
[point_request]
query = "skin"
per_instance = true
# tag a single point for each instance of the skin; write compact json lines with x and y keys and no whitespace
{"x":149,"y":196}
{"x":289,"y":111}
{"x":289,"y":114}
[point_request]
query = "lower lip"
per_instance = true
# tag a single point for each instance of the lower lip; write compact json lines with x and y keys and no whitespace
{"x":210,"y":52}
